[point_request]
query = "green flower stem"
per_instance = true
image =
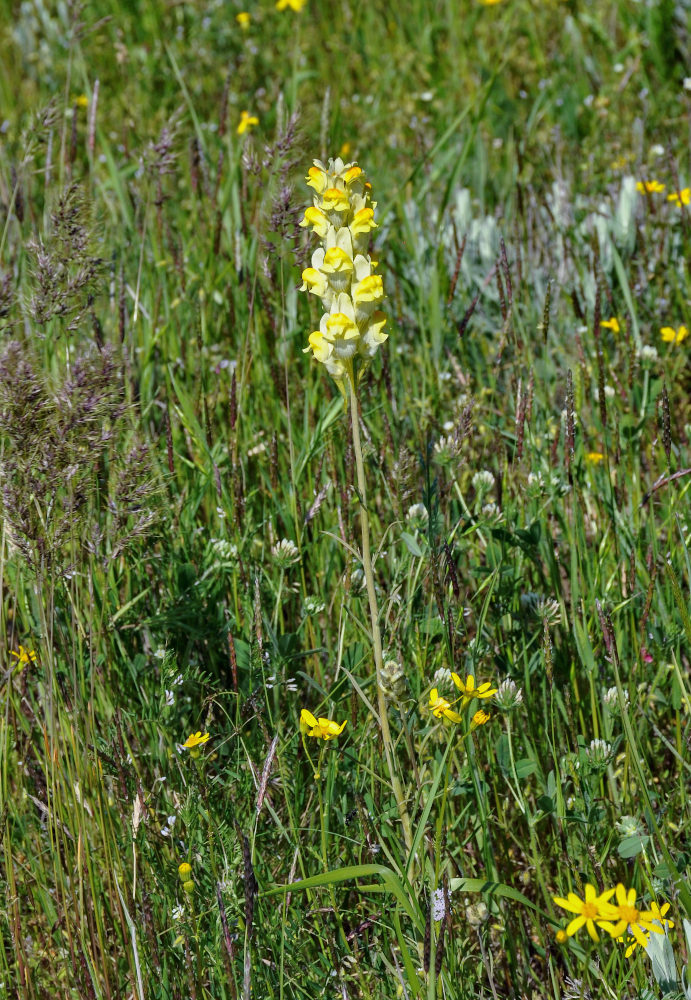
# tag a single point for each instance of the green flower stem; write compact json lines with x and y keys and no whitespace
{"x":374,"y":616}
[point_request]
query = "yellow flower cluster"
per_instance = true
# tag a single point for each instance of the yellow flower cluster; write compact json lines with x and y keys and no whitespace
{"x":342,"y":272}
{"x":598,"y":911}
{"x":322,"y":729}
{"x":441,"y":707}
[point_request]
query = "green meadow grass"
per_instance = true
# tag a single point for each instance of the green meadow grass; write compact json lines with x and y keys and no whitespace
{"x":528,"y":482}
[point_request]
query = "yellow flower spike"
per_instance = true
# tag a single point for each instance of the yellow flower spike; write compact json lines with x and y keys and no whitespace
{"x":441,"y":707}
{"x":246,"y":122}
{"x":323,"y":729}
{"x":649,"y":187}
{"x":335,"y":200}
{"x":370,"y":289}
{"x":313,"y":281}
{"x":363,"y":222}
{"x":679,"y":198}
{"x":591,"y":911}
{"x":672,"y":336}
{"x":611,"y":324}
{"x":317,"y":178}
{"x":320,"y":346}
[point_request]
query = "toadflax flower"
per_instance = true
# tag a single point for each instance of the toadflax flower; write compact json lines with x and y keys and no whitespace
{"x":342,"y":273}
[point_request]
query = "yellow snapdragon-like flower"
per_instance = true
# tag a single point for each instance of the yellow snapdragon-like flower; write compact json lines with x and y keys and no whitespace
{"x":322,"y":729}
{"x":341,"y":274}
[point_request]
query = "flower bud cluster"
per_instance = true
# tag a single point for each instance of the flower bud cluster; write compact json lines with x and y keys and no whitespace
{"x":342,"y":272}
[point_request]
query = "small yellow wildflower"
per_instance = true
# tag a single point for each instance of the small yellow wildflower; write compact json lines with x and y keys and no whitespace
{"x":323,"y":729}
{"x":611,"y":324}
{"x":672,"y":336}
{"x":442,"y":707}
{"x":184,"y":871}
{"x":295,"y":5}
{"x":658,"y":914}
{"x":82,"y":101}
{"x":469,"y":691}
{"x":561,"y":936}
{"x":594,"y":457}
{"x":23,"y":657}
{"x":243,"y":19}
{"x":679,"y":198}
{"x":591,"y":911}
{"x":246,"y":122}
{"x":195,"y":740}
{"x":629,"y":917}
{"x":479,"y":719}
{"x":649,"y":187}
{"x":490,"y":3}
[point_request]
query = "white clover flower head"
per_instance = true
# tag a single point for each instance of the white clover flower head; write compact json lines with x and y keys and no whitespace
{"x":483,"y":482}
{"x":285,"y":553}
{"x":535,"y":481}
{"x":599,"y":752}
{"x":648,"y":353}
{"x":628,"y":826}
{"x":509,"y":695}
{"x":417,"y":512}
{"x":445,"y":448}
{"x":657,"y":151}
{"x":611,"y":700}
{"x":548,"y":611}
{"x":224,"y":550}
{"x":342,"y":274}
{"x":313,"y":606}
{"x":491,"y":511}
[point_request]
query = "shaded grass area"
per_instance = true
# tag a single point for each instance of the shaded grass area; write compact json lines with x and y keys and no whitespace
{"x":528,"y":477}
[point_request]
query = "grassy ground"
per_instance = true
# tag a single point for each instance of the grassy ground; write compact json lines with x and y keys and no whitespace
{"x":527,"y":468}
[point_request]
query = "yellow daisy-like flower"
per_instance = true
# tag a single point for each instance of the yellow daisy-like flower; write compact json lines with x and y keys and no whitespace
{"x":672,"y":336}
{"x":611,"y":324}
{"x":469,"y":691}
{"x":322,"y":729}
{"x":295,"y":5}
{"x":594,"y":457}
{"x":184,"y":871}
{"x":627,"y":916}
{"x":247,"y":121}
{"x":243,"y":19}
{"x":649,"y":187}
{"x":593,"y":911}
{"x":658,"y":914}
{"x":679,"y":198}
{"x":195,"y":740}
{"x":441,"y":707}
{"x":23,"y":657}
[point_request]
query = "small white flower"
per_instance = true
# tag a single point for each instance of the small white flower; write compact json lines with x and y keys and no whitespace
{"x":285,"y":553}
{"x":611,"y":699}
{"x":491,"y":511}
{"x":687,"y":83}
{"x":483,"y":482}
{"x":170,"y":698}
{"x":160,"y":653}
{"x":313,"y":606}
{"x":179,"y":679}
{"x":417,"y":512}
{"x":508,"y":695}
{"x":648,"y":353}
{"x":438,"y":905}
{"x":657,"y":151}
{"x":178,"y":912}
{"x":599,"y":752}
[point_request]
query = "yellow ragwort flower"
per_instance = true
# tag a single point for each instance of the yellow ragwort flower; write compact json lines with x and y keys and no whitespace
{"x":243,"y":19}
{"x":295,"y":5}
{"x":592,"y":911}
{"x":672,"y":336}
{"x":184,"y":871}
{"x":594,"y":457}
{"x":649,"y":187}
{"x":469,"y":691}
{"x":611,"y":324}
{"x":351,"y":328}
{"x":246,"y":122}
{"x":681,"y":197}
{"x":322,"y":729}
{"x":658,"y":914}
{"x":627,"y":917}
{"x":195,"y":740}
{"x":23,"y":657}
{"x":442,"y":707}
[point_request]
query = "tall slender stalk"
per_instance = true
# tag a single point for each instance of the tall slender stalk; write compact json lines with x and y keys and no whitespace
{"x":374,"y":617}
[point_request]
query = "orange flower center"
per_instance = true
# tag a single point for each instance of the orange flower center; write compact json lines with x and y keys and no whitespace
{"x":629,"y":913}
{"x":590,"y":911}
